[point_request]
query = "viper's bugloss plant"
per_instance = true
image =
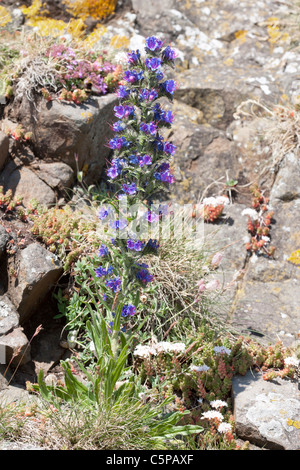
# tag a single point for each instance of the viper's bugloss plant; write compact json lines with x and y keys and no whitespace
{"x":139,"y":171}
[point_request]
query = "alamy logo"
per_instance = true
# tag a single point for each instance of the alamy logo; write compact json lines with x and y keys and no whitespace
{"x":2,"y":354}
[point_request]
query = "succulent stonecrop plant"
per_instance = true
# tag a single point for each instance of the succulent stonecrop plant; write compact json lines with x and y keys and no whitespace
{"x":139,"y":171}
{"x":259,"y":221}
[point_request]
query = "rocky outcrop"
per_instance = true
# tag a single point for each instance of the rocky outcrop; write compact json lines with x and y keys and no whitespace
{"x":36,"y":272}
{"x":267,"y":414}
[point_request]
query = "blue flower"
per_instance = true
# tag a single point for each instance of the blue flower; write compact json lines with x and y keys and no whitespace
{"x":153,"y":244}
{"x":133,"y":159}
{"x":168,"y":54}
{"x":153,"y":44}
{"x":129,"y":188}
{"x":143,"y":274}
{"x":128,"y":310}
{"x":123,"y":111}
{"x":169,"y":86}
{"x":169,"y":148}
{"x":150,"y":128}
{"x":135,"y":245}
{"x":148,"y":95}
{"x":103,"y":251}
{"x":134,"y":57}
{"x":118,"y":224}
{"x":101,"y":272}
{"x":145,"y":160}
{"x":118,"y":143}
{"x":118,"y":126}
{"x":154,"y":63}
{"x":114,"y":283}
{"x":103,"y":213}
{"x":132,"y":76}
{"x":123,"y":92}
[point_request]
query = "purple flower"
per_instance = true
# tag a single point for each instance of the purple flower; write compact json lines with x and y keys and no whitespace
{"x":118,"y":143}
{"x":123,"y":92}
{"x":118,"y":224}
{"x":152,"y":217}
{"x":169,"y":148}
{"x":101,"y":272}
{"x":154,"y":63}
{"x":145,"y":160}
{"x":113,"y":172}
{"x":134,"y":57}
{"x":114,"y":283}
{"x":132,"y":76}
{"x":103,"y":213}
{"x":148,"y":95}
{"x":153,"y":44}
{"x":169,"y":86}
{"x":133,"y":159}
{"x":168,"y":54}
{"x":143,"y":274}
{"x":135,"y":245}
{"x":118,"y":126}
{"x":103,"y":251}
{"x":128,"y":310}
{"x":123,"y":111}
{"x":129,"y":188}
{"x":152,"y":244}
{"x":150,"y":128}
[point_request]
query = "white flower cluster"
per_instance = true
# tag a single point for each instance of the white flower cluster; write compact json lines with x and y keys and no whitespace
{"x":145,"y":351}
{"x":216,"y":201}
{"x":224,"y":428}
{"x":213,"y":415}
{"x":222,"y":350}
{"x":167,"y":347}
{"x":291,"y":361}
{"x":202,"y":368}
{"x":218,"y":404}
{"x":252,"y":213}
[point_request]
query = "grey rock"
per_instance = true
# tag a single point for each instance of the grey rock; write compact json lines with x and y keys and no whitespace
{"x":9,"y":317}
{"x":267,"y":413}
{"x":79,"y":133}
{"x":39,"y":270}
{"x":17,"y":347}
{"x":4,"y":237}
{"x":26,"y":184}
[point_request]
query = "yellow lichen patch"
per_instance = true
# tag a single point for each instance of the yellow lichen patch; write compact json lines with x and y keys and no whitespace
{"x":274,"y":32}
{"x":291,"y":422}
{"x":228,"y":62}
{"x":119,"y":41}
{"x":85,"y":8}
{"x":295,"y":258}
{"x":241,"y":35}
{"x":34,"y":10}
{"x":95,"y":36}
{"x":5,"y":17}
